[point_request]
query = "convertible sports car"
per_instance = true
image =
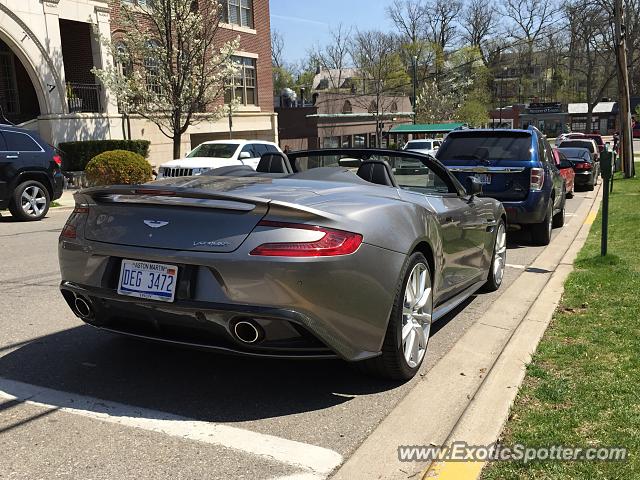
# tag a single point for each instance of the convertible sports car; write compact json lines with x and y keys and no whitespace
{"x":347,"y":253}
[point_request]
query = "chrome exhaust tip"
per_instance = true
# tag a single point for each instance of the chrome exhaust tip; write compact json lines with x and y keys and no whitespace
{"x":83,"y":308}
{"x":248,"y":331}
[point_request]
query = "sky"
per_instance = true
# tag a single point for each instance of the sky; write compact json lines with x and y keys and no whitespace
{"x":305,"y":23}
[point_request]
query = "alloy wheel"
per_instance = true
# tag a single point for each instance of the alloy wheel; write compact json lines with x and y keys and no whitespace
{"x":500,"y":254}
{"x":33,"y":201}
{"x":416,"y":315}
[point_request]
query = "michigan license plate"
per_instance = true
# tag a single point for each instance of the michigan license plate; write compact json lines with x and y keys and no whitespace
{"x":483,"y":178}
{"x":154,"y":281}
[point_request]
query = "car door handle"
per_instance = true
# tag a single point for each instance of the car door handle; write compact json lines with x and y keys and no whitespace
{"x":12,"y":156}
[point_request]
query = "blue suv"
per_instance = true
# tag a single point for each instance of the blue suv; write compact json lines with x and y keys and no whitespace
{"x":516,"y":167}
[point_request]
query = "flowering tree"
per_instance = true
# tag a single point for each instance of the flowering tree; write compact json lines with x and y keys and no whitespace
{"x":168,"y":65}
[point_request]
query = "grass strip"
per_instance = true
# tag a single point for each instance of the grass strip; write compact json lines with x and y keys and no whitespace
{"x":583,"y":385}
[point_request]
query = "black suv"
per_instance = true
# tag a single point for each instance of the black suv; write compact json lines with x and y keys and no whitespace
{"x":30,"y":173}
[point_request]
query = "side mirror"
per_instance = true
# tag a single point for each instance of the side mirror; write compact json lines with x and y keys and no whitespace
{"x":244,"y":155}
{"x":474,"y":187}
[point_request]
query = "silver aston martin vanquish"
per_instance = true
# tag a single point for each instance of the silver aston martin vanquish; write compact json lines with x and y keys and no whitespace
{"x":347,"y":253}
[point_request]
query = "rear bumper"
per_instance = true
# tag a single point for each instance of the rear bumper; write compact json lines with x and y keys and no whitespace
{"x":202,"y":325}
{"x":584,"y":178}
{"x":316,"y":307}
{"x":531,"y":210}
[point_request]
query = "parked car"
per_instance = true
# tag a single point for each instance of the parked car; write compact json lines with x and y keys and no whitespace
{"x":426,"y":146}
{"x":566,"y":170}
{"x":588,"y":143}
{"x":30,"y":173}
{"x":516,"y":167}
{"x":216,"y":154}
{"x":319,"y":263}
{"x":598,"y":139}
{"x":585,"y":169}
{"x":566,"y":136}
{"x":636,"y":132}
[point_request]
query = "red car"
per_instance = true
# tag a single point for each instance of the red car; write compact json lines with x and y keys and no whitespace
{"x":566,"y":171}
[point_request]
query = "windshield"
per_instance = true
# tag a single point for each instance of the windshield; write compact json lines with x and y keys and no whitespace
{"x":218,"y":150}
{"x":409,"y":173}
{"x":576,"y":153}
{"x":486,"y":145}
{"x":578,"y":143}
{"x":419,"y":145}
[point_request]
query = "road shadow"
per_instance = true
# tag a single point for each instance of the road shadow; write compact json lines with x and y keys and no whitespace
{"x":189,"y":383}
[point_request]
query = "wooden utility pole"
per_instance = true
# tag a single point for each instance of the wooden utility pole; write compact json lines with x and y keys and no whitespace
{"x":624,"y":102}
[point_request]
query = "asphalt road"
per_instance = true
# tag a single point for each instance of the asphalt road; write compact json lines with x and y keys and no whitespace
{"x":117,"y":408}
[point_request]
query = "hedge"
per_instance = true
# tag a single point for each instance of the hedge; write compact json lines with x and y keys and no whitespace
{"x":118,"y":167}
{"x":76,"y":155}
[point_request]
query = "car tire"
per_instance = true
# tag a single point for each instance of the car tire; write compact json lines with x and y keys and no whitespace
{"x":498,"y":260}
{"x":541,"y":232}
{"x":559,"y":218}
{"x":406,"y":325}
{"x":30,"y":201}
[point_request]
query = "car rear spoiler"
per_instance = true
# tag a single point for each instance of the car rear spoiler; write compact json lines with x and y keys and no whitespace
{"x":199,"y":198}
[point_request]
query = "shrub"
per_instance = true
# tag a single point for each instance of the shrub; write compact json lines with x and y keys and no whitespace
{"x":76,"y":155}
{"x":118,"y":167}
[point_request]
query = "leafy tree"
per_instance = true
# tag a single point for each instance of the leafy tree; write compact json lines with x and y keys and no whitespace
{"x":169,"y":67}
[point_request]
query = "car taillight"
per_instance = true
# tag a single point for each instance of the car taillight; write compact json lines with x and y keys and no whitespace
{"x":582,"y":166}
{"x":332,"y":243}
{"x":70,"y":229}
{"x":537,"y":179}
{"x":58,"y":160}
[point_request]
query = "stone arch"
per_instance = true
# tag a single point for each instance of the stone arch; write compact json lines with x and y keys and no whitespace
{"x":36,"y":60}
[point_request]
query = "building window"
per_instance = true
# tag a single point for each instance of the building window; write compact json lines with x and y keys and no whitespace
{"x":394,"y":107}
{"x":331,"y":142}
{"x":8,"y":87}
{"x":238,"y":12}
{"x":243,"y":85}
{"x":373,"y":107}
{"x":152,"y":69}
{"x":347,"y":108}
{"x":359,"y":140}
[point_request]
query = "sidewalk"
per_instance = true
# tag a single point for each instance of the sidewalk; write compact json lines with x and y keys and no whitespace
{"x":66,"y":200}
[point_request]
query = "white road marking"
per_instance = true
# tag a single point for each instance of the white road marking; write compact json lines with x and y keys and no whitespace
{"x":316,"y":461}
{"x":519,"y":267}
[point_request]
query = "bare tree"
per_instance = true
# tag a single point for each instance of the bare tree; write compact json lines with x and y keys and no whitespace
{"x":592,"y":50}
{"x":277,"y":48}
{"x":441,"y":21}
{"x":479,"y":21}
{"x":530,"y":21}
{"x":375,"y":55}
{"x":410,"y":19}
{"x":334,"y":56}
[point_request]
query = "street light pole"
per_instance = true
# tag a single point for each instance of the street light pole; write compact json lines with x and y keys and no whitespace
{"x":415,"y":85}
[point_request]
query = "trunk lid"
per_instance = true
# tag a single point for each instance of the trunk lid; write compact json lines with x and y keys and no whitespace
{"x":174,"y":218}
{"x":502,"y":158}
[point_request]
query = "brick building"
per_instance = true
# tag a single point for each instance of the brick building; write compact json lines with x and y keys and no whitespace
{"x":47,"y":51}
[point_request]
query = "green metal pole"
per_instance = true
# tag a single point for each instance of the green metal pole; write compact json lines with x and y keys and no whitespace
{"x":606,"y":160}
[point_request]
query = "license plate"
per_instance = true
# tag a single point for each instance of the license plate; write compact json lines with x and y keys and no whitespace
{"x":483,"y":178}
{"x":154,"y":281}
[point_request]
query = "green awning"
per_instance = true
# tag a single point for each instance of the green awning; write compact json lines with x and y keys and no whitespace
{"x":426,"y":128}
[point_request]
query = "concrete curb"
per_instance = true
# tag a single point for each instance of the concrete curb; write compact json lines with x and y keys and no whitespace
{"x":484,"y":418}
{"x":449,"y":403}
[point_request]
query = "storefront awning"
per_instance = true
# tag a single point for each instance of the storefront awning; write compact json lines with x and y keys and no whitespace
{"x":583,"y":108}
{"x":426,"y":128}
